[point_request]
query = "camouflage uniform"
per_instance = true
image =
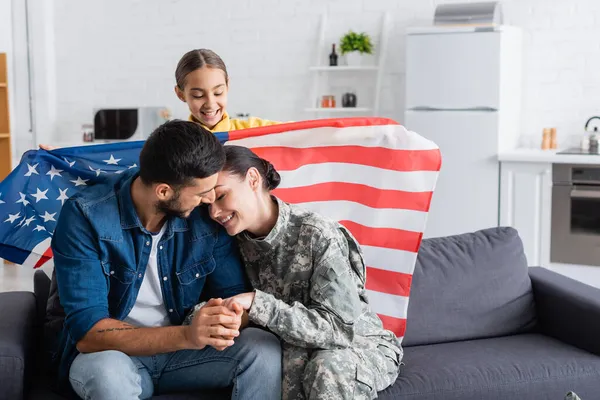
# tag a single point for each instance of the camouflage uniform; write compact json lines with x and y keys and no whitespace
{"x":309,"y":277}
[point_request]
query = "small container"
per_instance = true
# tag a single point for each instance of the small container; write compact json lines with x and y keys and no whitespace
{"x":328,"y":101}
{"x":349,"y":100}
{"x":87,"y":131}
{"x":593,"y":144}
{"x":546,"y":139}
{"x":553,"y":138}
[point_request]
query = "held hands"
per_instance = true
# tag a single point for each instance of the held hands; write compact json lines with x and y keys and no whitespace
{"x":215,"y":325}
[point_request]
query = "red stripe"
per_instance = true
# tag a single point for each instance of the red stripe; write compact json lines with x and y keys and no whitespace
{"x":389,"y":238}
{"x":289,"y":158}
{"x":45,"y":257}
{"x":366,"y":195}
{"x":390,"y":282}
{"x":396,"y":325}
{"x":310,"y":124}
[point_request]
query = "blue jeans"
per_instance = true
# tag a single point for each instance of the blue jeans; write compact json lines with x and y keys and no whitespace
{"x":252,"y":366}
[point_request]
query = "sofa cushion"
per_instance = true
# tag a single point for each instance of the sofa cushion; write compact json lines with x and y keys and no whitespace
{"x":17,"y":329}
{"x":527,"y":366}
{"x":470,"y":286}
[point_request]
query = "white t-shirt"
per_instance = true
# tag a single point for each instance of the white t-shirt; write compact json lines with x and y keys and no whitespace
{"x":149,"y":308}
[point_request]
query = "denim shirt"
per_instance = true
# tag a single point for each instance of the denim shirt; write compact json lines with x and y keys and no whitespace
{"x":101,"y":251}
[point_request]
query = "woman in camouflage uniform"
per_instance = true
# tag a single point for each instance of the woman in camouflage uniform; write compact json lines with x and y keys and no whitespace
{"x":309,"y":278}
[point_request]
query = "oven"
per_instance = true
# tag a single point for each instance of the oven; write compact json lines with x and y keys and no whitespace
{"x":575,"y":235}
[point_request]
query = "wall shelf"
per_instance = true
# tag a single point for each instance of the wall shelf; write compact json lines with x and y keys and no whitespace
{"x":5,"y":142}
{"x":320,"y":72}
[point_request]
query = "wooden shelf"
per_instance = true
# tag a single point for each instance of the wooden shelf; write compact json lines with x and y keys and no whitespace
{"x":5,"y":145}
{"x":340,"y":68}
{"x":339,"y":109}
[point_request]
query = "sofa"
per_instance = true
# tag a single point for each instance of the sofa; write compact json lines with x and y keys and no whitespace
{"x":481,"y":325}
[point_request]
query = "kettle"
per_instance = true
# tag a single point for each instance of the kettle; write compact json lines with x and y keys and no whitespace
{"x":591,"y":143}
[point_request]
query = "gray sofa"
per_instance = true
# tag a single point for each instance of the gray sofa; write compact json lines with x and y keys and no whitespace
{"x":481,"y":325}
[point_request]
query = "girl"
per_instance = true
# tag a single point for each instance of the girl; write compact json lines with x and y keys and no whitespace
{"x":309,"y":278}
{"x":203,"y":83}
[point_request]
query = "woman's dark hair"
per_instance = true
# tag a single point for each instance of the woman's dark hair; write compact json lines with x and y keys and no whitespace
{"x":239,"y":159}
{"x":196,"y":59}
{"x":179,"y":151}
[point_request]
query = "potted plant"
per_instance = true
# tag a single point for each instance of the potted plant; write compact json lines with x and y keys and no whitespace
{"x":354,"y":46}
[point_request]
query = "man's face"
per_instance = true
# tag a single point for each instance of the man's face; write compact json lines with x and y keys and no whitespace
{"x":181,"y":201}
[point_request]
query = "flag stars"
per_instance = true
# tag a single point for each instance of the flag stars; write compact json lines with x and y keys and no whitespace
{"x":13,"y":217}
{"x":49,"y":217}
{"x":69,"y":162}
{"x":31,"y":170}
{"x":39,"y":195}
{"x":22,"y":199}
{"x":112,"y":160}
{"x":97,"y":171}
{"x":54,"y":172}
{"x":1,"y":202}
{"x":132,"y":166}
{"x":39,"y":228}
{"x":80,"y":182}
{"x":29,"y":220}
{"x":63,"y":196}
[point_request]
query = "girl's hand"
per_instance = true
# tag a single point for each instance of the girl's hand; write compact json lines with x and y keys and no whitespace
{"x":245,"y":300}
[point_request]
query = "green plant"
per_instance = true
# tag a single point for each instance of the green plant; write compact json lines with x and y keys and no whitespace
{"x":353,"y":41}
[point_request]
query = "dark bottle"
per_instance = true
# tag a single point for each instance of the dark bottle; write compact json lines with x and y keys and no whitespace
{"x":333,"y":57}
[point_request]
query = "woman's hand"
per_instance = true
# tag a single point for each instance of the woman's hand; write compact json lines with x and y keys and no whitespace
{"x":47,"y":147}
{"x":245,"y":300}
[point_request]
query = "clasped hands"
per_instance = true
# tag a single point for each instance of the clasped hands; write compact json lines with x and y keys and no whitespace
{"x":218,"y":322}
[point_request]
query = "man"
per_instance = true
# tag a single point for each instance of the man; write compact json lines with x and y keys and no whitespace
{"x":132,"y":257}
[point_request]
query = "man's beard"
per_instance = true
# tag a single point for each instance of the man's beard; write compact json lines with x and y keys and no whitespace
{"x":172,"y":207}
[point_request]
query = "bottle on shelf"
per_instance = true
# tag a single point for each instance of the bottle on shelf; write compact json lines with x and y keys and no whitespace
{"x":333,"y":57}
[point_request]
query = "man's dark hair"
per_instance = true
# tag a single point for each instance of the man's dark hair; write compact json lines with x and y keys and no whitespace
{"x":179,"y":151}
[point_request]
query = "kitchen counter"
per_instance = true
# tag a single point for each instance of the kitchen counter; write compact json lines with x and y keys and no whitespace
{"x":547,"y":156}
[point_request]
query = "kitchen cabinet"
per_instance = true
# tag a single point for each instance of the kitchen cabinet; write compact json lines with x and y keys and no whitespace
{"x":525,"y":204}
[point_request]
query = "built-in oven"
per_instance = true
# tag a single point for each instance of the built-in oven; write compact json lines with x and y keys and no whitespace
{"x":575,"y":235}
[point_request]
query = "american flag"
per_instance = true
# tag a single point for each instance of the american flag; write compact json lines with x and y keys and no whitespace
{"x":371,"y":174}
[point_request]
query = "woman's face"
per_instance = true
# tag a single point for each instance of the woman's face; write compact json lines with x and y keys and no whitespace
{"x":236,"y":201}
{"x":205,"y":93}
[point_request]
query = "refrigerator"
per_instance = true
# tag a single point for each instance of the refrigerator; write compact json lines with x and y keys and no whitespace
{"x":463,"y":92}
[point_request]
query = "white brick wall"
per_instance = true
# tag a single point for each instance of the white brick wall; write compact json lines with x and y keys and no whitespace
{"x":124,"y":52}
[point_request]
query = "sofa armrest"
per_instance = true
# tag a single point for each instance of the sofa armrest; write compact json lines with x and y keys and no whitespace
{"x":17,"y":337}
{"x":567,"y":309}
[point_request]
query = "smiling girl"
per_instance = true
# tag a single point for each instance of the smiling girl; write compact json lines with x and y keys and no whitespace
{"x":203,"y":84}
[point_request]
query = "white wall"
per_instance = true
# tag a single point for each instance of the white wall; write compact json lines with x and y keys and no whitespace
{"x":124,"y":52}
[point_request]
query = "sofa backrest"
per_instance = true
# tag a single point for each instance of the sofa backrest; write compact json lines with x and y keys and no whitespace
{"x":470,"y":286}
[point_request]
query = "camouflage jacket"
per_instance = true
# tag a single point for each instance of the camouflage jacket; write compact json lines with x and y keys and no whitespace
{"x":309,"y":278}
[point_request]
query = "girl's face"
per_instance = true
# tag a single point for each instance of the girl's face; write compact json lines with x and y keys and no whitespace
{"x":236,"y":201}
{"x":205,"y":93}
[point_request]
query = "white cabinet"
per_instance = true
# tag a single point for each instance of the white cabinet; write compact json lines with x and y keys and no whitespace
{"x":525,"y":204}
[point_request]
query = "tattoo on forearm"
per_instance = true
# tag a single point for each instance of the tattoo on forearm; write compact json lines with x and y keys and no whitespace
{"x":117,"y":329}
